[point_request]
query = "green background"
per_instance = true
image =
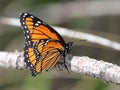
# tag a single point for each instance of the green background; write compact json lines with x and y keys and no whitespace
{"x":12,"y":38}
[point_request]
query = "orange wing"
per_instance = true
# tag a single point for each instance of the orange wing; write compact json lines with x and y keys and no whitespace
{"x":35,"y":29}
{"x":51,"y":53}
{"x":47,"y":52}
{"x":44,"y":47}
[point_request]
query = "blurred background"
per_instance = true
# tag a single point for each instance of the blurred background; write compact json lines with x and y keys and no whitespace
{"x":99,"y":17}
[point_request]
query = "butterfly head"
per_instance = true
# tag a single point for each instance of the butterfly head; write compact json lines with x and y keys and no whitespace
{"x":68,"y":47}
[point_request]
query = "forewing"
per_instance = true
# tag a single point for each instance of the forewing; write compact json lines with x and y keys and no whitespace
{"x":35,"y":29}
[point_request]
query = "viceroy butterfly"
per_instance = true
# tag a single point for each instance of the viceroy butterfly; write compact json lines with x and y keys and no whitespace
{"x":44,"y":47}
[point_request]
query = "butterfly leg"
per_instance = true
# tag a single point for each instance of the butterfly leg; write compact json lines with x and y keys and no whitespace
{"x":64,"y":62}
{"x":41,"y":65}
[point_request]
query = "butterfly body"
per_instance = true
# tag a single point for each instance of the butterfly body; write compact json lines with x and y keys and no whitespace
{"x":44,"y":47}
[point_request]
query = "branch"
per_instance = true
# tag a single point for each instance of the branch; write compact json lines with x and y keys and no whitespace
{"x":12,"y":60}
{"x":99,"y":69}
{"x":89,"y":37}
{"x":73,"y":34}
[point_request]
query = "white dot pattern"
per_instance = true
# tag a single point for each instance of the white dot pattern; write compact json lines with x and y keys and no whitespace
{"x":30,"y":44}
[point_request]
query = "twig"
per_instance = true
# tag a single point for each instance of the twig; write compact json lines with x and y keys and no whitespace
{"x":99,"y":69}
{"x":102,"y":70}
{"x":73,"y":34}
{"x":89,"y":37}
{"x":12,"y":60}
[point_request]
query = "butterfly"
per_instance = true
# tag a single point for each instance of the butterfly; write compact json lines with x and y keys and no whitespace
{"x":44,"y":46}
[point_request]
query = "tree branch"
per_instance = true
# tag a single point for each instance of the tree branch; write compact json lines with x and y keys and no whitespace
{"x":12,"y":60}
{"x":73,"y":34}
{"x":99,"y":69}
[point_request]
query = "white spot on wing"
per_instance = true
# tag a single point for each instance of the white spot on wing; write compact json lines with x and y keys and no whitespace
{"x":27,"y":31}
{"x":39,"y":22}
{"x":28,"y":42}
{"x":36,"y":24}
{"x":26,"y":55}
{"x":24,"y":23}
{"x":47,"y":41}
{"x":28,"y":61}
{"x":31,"y":16}
{"x":28,"y":37}
{"x":25,"y":14}
{"x":25,"y":27}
